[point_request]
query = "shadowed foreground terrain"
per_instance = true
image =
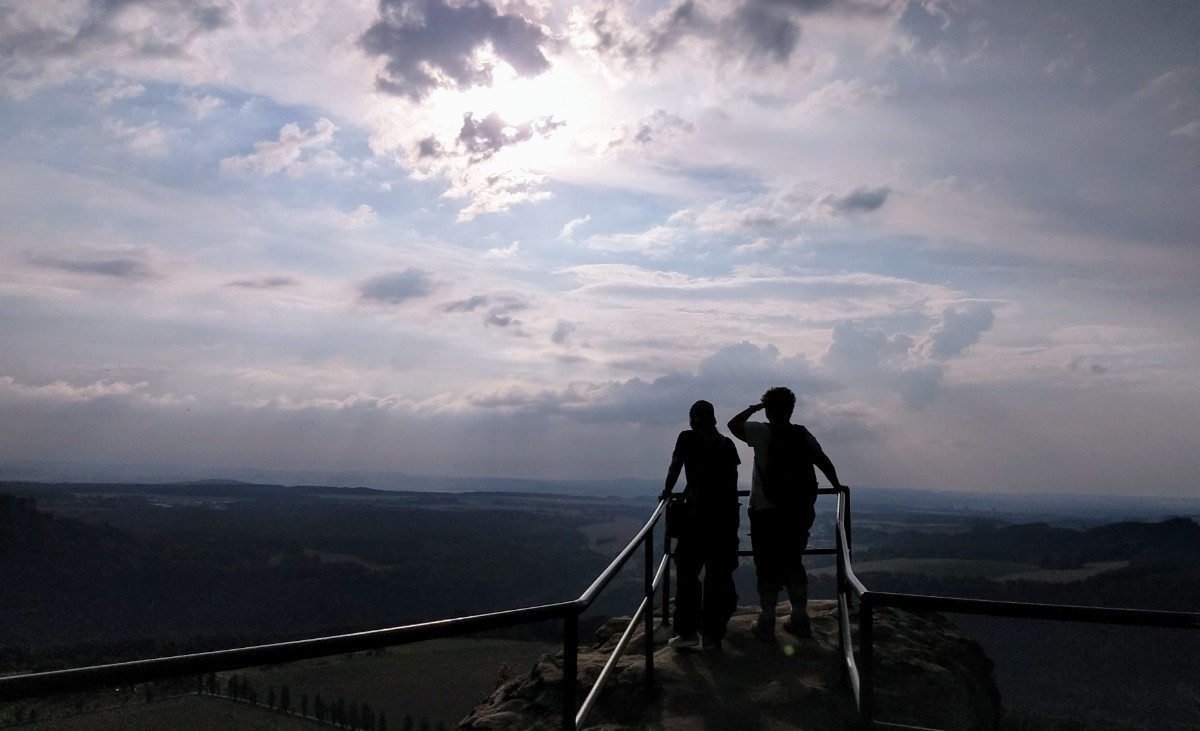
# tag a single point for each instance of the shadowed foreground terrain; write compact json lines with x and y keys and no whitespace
{"x":929,"y":675}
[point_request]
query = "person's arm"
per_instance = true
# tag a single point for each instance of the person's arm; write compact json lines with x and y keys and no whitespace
{"x":737,"y":425}
{"x":672,"y":476}
{"x":823,"y":463}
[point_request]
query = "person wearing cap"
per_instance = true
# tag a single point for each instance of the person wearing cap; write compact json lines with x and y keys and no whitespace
{"x":709,"y":542}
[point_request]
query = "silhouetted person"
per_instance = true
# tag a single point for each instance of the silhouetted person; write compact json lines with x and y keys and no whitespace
{"x":778,"y":534}
{"x":709,"y":542}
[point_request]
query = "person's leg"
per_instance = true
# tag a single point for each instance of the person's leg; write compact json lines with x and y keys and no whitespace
{"x":796,"y":576}
{"x":688,"y":562}
{"x":720,"y":594}
{"x":765,"y":542}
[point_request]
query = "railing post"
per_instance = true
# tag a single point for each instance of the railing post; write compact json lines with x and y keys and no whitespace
{"x":649,"y":619}
{"x":570,"y":668}
{"x":866,"y":642}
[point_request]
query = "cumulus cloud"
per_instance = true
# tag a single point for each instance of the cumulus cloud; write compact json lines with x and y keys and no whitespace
{"x":296,"y":152}
{"x":655,"y":242}
{"x":736,"y":374}
{"x":497,"y":192}
{"x":868,"y":358}
{"x":397,"y":287}
{"x":959,"y":329}
{"x":429,"y":44}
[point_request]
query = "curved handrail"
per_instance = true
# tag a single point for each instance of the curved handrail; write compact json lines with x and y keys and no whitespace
{"x":30,"y":685}
{"x":589,"y":595}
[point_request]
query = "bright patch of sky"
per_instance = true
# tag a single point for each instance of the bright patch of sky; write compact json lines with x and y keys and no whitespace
{"x":520,"y":238}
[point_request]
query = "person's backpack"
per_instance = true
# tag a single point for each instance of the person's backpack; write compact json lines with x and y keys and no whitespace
{"x":789,"y":480}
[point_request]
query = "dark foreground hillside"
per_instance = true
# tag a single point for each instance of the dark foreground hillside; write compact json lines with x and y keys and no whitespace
{"x":135,"y":575}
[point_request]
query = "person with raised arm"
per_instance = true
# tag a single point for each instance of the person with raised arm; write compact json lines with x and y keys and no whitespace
{"x":784,"y":457}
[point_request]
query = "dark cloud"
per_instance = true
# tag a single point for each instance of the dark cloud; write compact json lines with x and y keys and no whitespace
{"x":430,"y":43}
{"x":751,"y":28}
{"x":429,"y":147}
{"x":767,"y":30}
{"x":1086,"y":365}
{"x":120,"y":268}
{"x":397,"y":287}
{"x":137,"y":28}
{"x":264,"y":283}
{"x":861,"y":199}
{"x":500,"y":314}
{"x":485,"y":137}
{"x":468,"y":305}
{"x":959,"y":329}
{"x":562,"y":331}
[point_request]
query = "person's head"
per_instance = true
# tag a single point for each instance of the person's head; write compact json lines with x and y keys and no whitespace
{"x":779,"y":402}
{"x":702,"y":415}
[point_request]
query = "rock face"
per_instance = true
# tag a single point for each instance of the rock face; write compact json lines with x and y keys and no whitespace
{"x":927,"y":674}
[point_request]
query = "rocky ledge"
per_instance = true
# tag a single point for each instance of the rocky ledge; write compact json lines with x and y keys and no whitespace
{"x":928,"y":674}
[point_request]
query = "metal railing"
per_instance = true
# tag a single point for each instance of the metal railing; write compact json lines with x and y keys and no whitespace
{"x":861,"y":675}
{"x":33,"y":685}
{"x":859,"y":671}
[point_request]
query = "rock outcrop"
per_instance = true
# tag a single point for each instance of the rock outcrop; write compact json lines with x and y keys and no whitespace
{"x":928,"y":674}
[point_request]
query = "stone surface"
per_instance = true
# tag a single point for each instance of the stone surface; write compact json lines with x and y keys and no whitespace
{"x":928,"y":675}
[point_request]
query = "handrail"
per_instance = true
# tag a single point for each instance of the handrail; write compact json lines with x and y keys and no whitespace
{"x":31,"y":685}
{"x":849,"y":587}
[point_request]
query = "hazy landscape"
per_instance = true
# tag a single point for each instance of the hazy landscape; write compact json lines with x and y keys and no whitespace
{"x":103,"y":572}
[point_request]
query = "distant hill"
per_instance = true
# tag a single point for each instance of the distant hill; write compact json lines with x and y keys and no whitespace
{"x":1176,"y":539}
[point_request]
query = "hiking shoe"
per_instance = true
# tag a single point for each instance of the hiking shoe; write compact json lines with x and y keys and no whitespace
{"x":798,"y":627}
{"x":680,"y":642}
{"x":761,"y":632}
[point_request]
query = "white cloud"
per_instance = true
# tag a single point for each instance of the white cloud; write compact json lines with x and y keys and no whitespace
{"x":297,"y":153}
{"x":146,"y":140}
{"x":1191,"y":130}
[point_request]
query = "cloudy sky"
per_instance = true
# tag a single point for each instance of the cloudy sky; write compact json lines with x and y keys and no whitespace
{"x":510,"y":238}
